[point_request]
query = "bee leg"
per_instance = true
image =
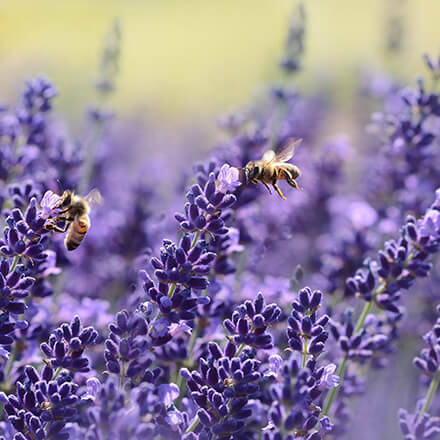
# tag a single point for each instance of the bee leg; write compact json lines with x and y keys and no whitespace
{"x":54,"y":227}
{"x":268,"y":187}
{"x":290,"y":180}
{"x":278,"y":190}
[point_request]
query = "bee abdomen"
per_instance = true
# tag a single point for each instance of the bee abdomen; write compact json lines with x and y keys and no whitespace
{"x":77,"y":232}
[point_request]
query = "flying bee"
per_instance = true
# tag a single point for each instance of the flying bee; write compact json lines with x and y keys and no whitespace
{"x":272,"y":167}
{"x":74,"y":213}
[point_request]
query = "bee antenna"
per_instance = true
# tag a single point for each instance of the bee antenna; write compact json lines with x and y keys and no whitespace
{"x":60,"y":185}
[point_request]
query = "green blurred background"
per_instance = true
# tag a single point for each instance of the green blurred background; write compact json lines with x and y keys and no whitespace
{"x":188,"y":59}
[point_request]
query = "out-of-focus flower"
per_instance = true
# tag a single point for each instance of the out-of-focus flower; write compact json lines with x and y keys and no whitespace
{"x":414,"y":427}
{"x":430,"y":224}
{"x":168,"y":393}
{"x":160,"y":328}
{"x":329,"y":379}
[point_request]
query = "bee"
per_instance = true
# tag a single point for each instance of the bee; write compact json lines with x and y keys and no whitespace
{"x":272,"y":167}
{"x":45,"y":406}
{"x":74,"y":212}
{"x":228,"y":382}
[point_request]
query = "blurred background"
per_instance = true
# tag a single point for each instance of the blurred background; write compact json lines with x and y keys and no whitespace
{"x":182,"y":65}
{"x":190,"y":61}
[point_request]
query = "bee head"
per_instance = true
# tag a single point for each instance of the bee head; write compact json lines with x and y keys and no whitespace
{"x":295,"y":172}
{"x":251,"y":171}
{"x":66,"y":199}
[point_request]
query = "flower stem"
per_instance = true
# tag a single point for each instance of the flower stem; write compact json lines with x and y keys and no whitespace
{"x":240,"y":349}
{"x":14,"y":263}
{"x":179,"y":378}
{"x":122,"y":374}
{"x":430,"y":394}
{"x":57,"y":372}
{"x":333,"y":393}
{"x":304,"y":354}
{"x":363,"y":316}
{"x":172,"y":289}
{"x":193,"y":425}
{"x":342,"y":368}
{"x":195,"y":239}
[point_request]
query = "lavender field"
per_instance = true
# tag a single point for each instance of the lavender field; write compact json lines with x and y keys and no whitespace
{"x":279,"y":283}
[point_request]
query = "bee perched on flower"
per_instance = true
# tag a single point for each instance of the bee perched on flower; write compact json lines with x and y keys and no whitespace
{"x":73,"y":211}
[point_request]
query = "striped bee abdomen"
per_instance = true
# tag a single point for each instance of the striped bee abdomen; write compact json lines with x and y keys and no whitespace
{"x":77,"y":231}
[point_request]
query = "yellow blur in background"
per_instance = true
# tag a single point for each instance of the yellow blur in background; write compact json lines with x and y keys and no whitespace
{"x":185,"y":59}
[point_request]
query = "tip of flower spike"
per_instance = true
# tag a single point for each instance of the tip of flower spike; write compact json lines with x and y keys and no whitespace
{"x":48,"y":204}
{"x":228,"y":178}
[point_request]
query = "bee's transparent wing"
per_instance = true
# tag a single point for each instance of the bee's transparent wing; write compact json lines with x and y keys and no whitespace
{"x":287,"y":151}
{"x":268,"y":156}
{"x":94,"y":197}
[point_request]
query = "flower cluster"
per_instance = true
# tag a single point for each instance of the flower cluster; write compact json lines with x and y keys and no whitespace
{"x":400,"y":263}
{"x":204,"y":206}
{"x":429,"y":361}
{"x":127,"y":348}
{"x":149,"y":412}
{"x":250,"y":322}
{"x":221,"y":389}
{"x":295,"y":410}
{"x":66,"y":345}
{"x":421,"y":424}
{"x":42,"y":405}
{"x":306,"y":332}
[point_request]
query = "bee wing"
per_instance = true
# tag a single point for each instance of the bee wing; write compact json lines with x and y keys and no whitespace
{"x":268,"y":156}
{"x":287,"y":151}
{"x":94,"y":197}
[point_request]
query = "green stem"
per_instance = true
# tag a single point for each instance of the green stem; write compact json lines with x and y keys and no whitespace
{"x":333,"y":393}
{"x":305,"y":353}
{"x":363,"y":316}
{"x":342,"y":368}
{"x":57,"y":372}
{"x":14,"y":263}
{"x":122,"y":374}
{"x":195,"y":239}
{"x":178,"y":377}
{"x":430,"y":395}
{"x":193,"y":425}
{"x":240,"y":349}
{"x":172,"y":289}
